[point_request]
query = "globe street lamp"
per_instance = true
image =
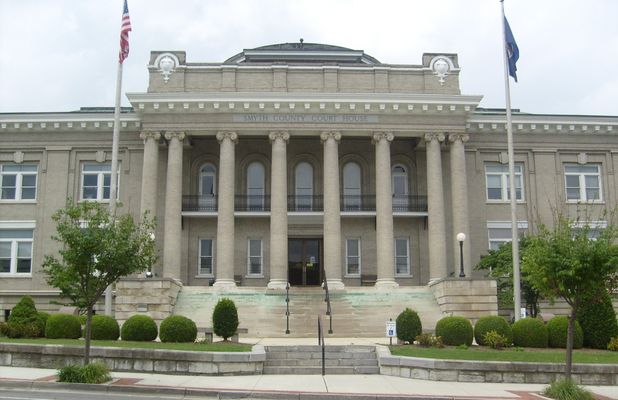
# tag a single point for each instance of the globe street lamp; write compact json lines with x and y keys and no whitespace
{"x":460,"y":238}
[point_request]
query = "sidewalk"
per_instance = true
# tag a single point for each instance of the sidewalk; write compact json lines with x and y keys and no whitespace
{"x":349,"y":387}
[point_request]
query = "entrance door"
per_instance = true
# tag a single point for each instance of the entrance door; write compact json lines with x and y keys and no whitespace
{"x":304,"y":264}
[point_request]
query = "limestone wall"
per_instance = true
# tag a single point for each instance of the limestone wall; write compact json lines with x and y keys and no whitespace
{"x":470,"y":298}
{"x":153,"y":297}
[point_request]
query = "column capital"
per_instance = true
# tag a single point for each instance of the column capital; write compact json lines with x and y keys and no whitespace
{"x":378,"y":136}
{"x":454,"y":137}
{"x":324,"y":136}
{"x":145,"y":135}
{"x":274,"y":135}
{"x":222,"y":135}
{"x":175,"y":135}
{"x":434,"y":136}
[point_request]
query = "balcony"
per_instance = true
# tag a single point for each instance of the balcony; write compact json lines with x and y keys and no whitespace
{"x":367,"y":203}
{"x":197,"y":203}
{"x":251,"y":203}
{"x":302,"y":203}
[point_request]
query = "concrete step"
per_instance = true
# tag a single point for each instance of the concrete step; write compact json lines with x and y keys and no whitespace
{"x":318,"y":370}
{"x":317,"y":362}
{"x":308,"y":360}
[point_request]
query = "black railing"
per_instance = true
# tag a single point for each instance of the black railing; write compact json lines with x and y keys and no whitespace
{"x":199,"y":203}
{"x":306,"y":203}
{"x":322,"y":344}
{"x":287,"y":308}
{"x":410,"y":203}
{"x":245,"y":202}
{"x":329,"y":311}
{"x":351,"y":203}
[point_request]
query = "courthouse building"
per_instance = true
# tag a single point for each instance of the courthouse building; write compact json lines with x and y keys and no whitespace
{"x":301,"y":163}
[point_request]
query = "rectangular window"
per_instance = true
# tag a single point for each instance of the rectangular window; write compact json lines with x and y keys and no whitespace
{"x":582,"y":182}
{"x":353,"y":256}
{"x":96,"y":180}
{"x":500,"y":232}
{"x":497,"y":181}
{"x":16,"y":251}
{"x":206,"y":258}
{"x":593,"y":228}
{"x":402,"y":256}
{"x":254,"y":258}
{"x":18,"y":181}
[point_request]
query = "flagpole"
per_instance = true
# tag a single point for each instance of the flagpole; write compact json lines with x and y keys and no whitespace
{"x":114,"y":176}
{"x":513,"y":191}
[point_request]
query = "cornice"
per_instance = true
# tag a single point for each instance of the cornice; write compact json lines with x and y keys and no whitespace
{"x":539,"y":124}
{"x":66,"y":122}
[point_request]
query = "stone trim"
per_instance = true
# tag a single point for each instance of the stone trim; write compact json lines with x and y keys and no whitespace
{"x":469,"y":298}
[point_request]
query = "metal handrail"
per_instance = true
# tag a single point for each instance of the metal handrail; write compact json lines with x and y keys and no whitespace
{"x":322,"y":344}
{"x":328,"y":307}
{"x":287,"y":308}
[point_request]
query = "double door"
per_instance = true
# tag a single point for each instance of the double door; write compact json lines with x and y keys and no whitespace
{"x":304,"y":262}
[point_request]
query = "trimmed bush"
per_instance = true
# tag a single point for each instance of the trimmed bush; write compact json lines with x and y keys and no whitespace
{"x":41,"y":321}
{"x":597,"y":318}
{"x":557,"y":328}
{"x":429,"y":340}
{"x":408,"y":326}
{"x":139,"y":328}
{"x":178,"y":329}
{"x":225,"y":319}
{"x":91,"y":373}
{"x":455,"y":331}
{"x":530,"y":332}
{"x":492,"y":323}
{"x":495,"y":340}
{"x":63,"y":326}
{"x":24,"y":312}
{"x":104,"y":327}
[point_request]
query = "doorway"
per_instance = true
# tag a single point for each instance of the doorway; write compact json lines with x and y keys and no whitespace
{"x":304,"y":262}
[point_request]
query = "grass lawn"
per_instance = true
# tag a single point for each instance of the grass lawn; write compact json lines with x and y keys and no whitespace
{"x":477,"y":353}
{"x":217,"y":346}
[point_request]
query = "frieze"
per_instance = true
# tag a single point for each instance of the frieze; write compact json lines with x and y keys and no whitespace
{"x":306,"y":118}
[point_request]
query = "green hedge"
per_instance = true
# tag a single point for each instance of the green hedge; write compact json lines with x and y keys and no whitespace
{"x":557,"y":329}
{"x":63,"y":326}
{"x":104,"y":327}
{"x":530,"y":332}
{"x":455,"y":331}
{"x":597,"y":318}
{"x":492,"y":323}
{"x":408,"y":326}
{"x":139,"y":328}
{"x":177,"y":328}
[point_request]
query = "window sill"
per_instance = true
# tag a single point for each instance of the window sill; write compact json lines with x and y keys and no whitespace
{"x":254,"y":277}
{"x":9,"y":201}
{"x":18,"y":276}
{"x":585,"y":202}
{"x":204,"y":276}
{"x":352,"y":276}
{"x":408,"y":276}
{"x":504,"y":201}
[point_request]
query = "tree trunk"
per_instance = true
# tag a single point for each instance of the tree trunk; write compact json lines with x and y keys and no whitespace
{"x":87,"y":335}
{"x":569,"y":349}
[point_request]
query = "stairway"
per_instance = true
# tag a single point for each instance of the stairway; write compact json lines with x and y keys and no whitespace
{"x":357,"y":311}
{"x":307,"y":360}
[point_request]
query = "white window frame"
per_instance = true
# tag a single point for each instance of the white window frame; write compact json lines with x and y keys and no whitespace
{"x":19,"y":177}
{"x":100,"y":181}
{"x":203,"y":173}
{"x":583,"y":197}
{"x":199,"y":257}
{"x":595,"y":226}
{"x":521,"y":226}
{"x":409,"y":272}
{"x":18,"y":225}
{"x":261,"y":257}
{"x":504,"y":182}
{"x":347,"y":258}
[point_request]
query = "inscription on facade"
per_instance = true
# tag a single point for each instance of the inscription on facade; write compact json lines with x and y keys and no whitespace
{"x":307,"y":118}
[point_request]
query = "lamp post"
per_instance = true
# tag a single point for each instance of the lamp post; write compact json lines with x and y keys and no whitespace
{"x":149,"y":274}
{"x":460,"y":238}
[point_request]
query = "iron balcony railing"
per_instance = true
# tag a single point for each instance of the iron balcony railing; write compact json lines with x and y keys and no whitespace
{"x":306,"y":203}
{"x":245,"y":202}
{"x":410,"y":203}
{"x":367,"y":202}
{"x":199,"y":203}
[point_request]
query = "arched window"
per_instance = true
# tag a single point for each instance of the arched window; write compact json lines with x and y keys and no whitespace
{"x":208,"y":188}
{"x":255,"y":186}
{"x":352,"y":199}
{"x":400,"y":188}
{"x":303,"y":181}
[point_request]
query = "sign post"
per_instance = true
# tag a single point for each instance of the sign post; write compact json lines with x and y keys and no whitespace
{"x":391,"y":330}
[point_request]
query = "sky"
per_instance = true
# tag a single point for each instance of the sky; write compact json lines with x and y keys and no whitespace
{"x":59,"y":55}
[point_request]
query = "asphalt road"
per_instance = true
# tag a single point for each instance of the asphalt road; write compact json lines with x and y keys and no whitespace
{"x":16,"y":394}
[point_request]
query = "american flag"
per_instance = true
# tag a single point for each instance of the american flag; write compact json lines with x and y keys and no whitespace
{"x":125,"y":28}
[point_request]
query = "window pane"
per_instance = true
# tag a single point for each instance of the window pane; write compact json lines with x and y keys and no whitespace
{"x":353,"y":247}
{"x":15,"y":234}
{"x":592,"y":181}
{"x":494,"y":181}
{"x":28,"y":180}
{"x":205,"y":247}
{"x":399,"y":185}
{"x":5,"y":265}
{"x":24,"y":265}
{"x":351,"y":176}
{"x":9,"y":181}
{"x":8,"y":194}
{"x":208,"y":185}
{"x":97,"y":167}
{"x":107,"y":192}
{"x":573,"y":194}
{"x":28,"y":193}
{"x":572,"y":181}
{"x":24,"y":249}
{"x":206,"y":265}
{"x":89,"y":180}
{"x":208,"y":168}
{"x":5,"y":250}
{"x":593,"y":194}
{"x":107,"y":179}
{"x":89,"y":193}
{"x":496,"y":168}
{"x":402,"y":265}
{"x":255,"y":176}
{"x":255,"y":265}
{"x":353,"y":266}
{"x":304,"y":176}
{"x":401,"y":247}
{"x":255,"y":248}
{"x":11,"y":168}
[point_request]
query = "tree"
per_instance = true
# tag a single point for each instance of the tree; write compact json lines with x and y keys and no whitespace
{"x":97,"y":250}
{"x":564,"y":262}
{"x":499,"y":263}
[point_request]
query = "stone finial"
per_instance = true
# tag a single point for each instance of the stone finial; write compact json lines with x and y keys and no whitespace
{"x":324,"y":136}
{"x":150,"y":135}
{"x":503,"y":157}
{"x":99,"y":156}
{"x":582,"y":158}
{"x":233,"y":136}
{"x":435,"y":136}
{"x":175,"y":135}
{"x":377,"y":136}
{"x":283,"y":135}
{"x":454,"y":137}
{"x":18,"y":157}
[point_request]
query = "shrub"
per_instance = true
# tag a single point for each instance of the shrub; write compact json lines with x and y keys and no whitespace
{"x":530,"y":332}
{"x":4,"y":329}
{"x":567,"y":390}
{"x":41,"y":321}
{"x":496,"y":340}
{"x":455,"y":331}
{"x":597,"y":318}
{"x":63,"y":326}
{"x":103,"y":327}
{"x":492,"y":323}
{"x":557,"y":329}
{"x":177,"y":328}
{"x":139,"y":328}
{"x":24,"y":312}
{"x":429,"y":340}
{"x":408,"y":326}
{"x":82,"y":319}
{"x":91,"y":373}
{"x":225,"y":319}
{"x":613,"y":344}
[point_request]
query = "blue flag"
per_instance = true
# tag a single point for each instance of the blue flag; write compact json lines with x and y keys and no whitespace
{"x":512,"y":51}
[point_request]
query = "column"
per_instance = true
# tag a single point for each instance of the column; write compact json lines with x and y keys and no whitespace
{"x":278,"y":211}
{"x":224,"y":266}
{"x":332,"y":217}
{"x":173,"y":206}
{"x":384,"y":211}
{"x":150,"y":168}
{"x":459,"y":193}
{"x":435,"y":202}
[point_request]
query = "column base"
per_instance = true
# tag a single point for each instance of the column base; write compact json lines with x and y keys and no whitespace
{"x":277,"y":284}
{"x":335,"y":284}
{"x":386,"y":284}
{"x":224,"y":283}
